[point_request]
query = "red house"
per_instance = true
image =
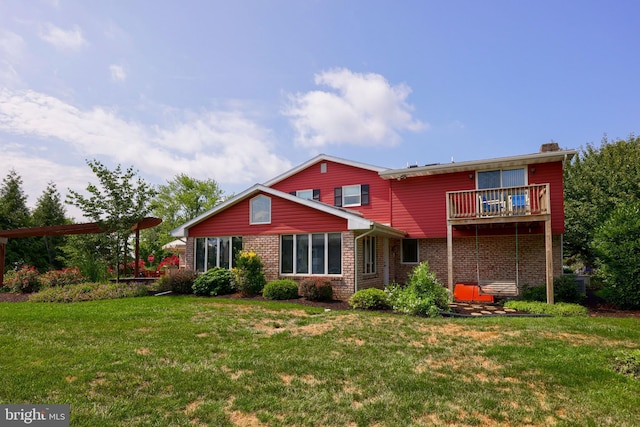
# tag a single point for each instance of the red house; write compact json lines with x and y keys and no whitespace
{"x":496,"y":224}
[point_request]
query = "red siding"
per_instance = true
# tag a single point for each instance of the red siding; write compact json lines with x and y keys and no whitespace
{"x":420,"y":203}
{"x":339,"y":175}
{"x":286,"y":217}
{"x":551,"y":173}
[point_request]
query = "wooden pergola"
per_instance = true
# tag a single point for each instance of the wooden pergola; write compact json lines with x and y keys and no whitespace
{"x":63,"y":230}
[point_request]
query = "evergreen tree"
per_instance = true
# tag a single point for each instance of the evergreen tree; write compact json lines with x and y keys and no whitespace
{"x":50,"y":211}
{"x":14,"y":213}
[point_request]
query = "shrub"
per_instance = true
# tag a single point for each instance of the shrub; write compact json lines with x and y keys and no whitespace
{"x":162,"y":284}
{"x":316,"y":289}
{"x":370,"y":299}
{"x":182,"y":281}
{"x":24,"y":280}
{"x":249,"y":277}
{"x":281,"y":289}
{"x":64,"y":277}
{"x":558,"y":309}
{"x":89,"y":292}
{"x":617,"y":246}
{"x":7,"y":277}
{"x":565,"y":289}
{"x":535,"y":293}
{"x":424,"y":295}
{"x":215,"y":281}
{"x":426,"y":284}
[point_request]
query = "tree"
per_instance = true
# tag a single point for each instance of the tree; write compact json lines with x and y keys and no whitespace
{"x":50,"y":211}
{"x":617,"y":246}
{"x":597,"y":181}
{"x":182,"y":199}
{"x":120,"y":200}
{"x":14,"y":213}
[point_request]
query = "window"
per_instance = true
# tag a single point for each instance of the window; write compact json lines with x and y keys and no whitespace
{"x":369,"y":249}
{"x":260,"y":208}
{"x":307,"y":194}
{"x":216,"y":252}
{"x":315,"y":253}
{"x":501,"y":178}
{"x":351,"y":195}
{"x":409,"y":251}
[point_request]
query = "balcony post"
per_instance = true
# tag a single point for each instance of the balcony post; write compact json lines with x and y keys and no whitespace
{"x":548,"y":244}
{"x":450,"y":257}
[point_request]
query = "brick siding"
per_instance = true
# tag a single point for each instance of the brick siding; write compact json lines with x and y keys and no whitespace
{"x":496,"y":259}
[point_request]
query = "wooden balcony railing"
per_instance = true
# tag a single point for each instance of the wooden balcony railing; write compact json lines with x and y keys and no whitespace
{"x":527,"y":200}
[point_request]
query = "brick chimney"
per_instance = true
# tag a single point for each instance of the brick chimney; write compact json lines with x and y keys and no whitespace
{"x":551,"y":146}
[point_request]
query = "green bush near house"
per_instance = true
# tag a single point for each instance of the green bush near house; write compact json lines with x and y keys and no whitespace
{"x":424,"y":295}
{"x":215,"y":281}
{"x":565,"y":289}
{"x":316,"y":289}
{"x":370,"y":299}
{"x":249,"y":275}
{"x":558,"y":309}
{"x":182,"y":281}
{"x":281,"y":290}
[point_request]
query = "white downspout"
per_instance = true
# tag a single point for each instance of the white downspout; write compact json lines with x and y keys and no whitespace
{"x":355,"y":261}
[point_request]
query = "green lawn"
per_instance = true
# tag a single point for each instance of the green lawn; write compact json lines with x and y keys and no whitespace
{"x":202,"y":361}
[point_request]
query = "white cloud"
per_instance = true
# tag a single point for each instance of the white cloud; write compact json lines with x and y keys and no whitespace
{"x":37,"y":171}
{"x":63,"y":39}
{"x":361,"y":109}
{"x":12,"y":48}
{"x":118,"y":74}
{"x":222,"y":145}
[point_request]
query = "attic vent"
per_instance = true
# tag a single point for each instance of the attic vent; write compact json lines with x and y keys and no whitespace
{"x":551,"y":146}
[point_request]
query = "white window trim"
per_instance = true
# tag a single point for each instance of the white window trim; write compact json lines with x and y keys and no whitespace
{"x":310,"y":255}
{"x":344,"y":204}
{"x":259,"y":197}
{"x":417,"y":261}
{"x":526,"y":176}
{"x":206,"y":251}
{"x":305,"y":191}
{"x":373,"y":260}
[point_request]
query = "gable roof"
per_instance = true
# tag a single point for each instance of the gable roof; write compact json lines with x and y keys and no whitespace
{"x":355,"y":221}
{"x":488,"y":164}
{"x":320,"y":158}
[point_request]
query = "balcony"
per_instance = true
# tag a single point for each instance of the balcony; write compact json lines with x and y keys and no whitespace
{"x":499,"y":205}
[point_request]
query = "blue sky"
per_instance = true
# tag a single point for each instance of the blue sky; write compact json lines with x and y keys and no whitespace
{"x":240,"y":91}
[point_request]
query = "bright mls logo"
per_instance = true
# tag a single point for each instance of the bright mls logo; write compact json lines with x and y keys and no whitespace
{"x":36,"y":415}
